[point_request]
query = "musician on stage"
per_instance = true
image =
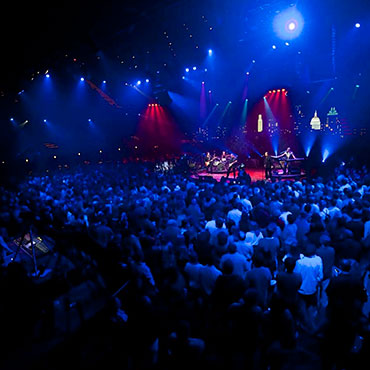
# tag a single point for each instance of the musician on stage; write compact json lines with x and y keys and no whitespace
{"x":267,"y":164}
{"x":207,"y":161}
{"x":286,"y":155}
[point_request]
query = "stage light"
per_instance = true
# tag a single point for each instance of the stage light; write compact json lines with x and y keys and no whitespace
{"x":147,"y":80}
{"x":187,"y":69}
{"x":357,"y":86}
{"x":202,"y":82}
{"x":287,"y":43}
{"x":78,"y":153}
{"x":205,"y":70}
{"x":119,"y":149}
{"x":104,"y":82}
{"x":288,"y":24}
{"x":278,"y":90}
{"x":47,"y":75}
{"x":55,"y":157}
{"x":357,"y":25}
{"x":247,"y":73}
{"x":273,"y":91}
{"x":12,"y":119}
{"x":27,"y":160}
{"x":209,"y":91}
{"x":325,"y":155}
{"x":274,"y":46}
{"x":270,"y":91}
{"x":183,"y":77}
{"x":44,"y":120}
{"x":138,"y":83}
{"x":100,"y":151}
{"x":253,"y":61}
{"x":82,"y":79}
{"x":282,"y":89}
{"x":210,"y":52}
{"x":292,"y":26}
{"x":194,"y":68}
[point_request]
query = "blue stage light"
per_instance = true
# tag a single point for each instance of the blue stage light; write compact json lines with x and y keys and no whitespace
{"x":44,"y":120}
{"x":288,"y":24}
{"x":47,"y":75}
{"x":292,"y":26}
{"x":210,"y":52}
{"x":187,"y":70}
{"x":183,"y":77}
{"x":82,"y":79}
{"x":12,"y":119}
{"x":325,"y":155}
{"x":147,"y":80}
{"x":104,"y":82}
{"x":138,"y":83}
{"x":194,"y":68}
{"x":274,"y":46}
{"x":357,"y":25}
{"x":89,"y":120}
{"x":287,"y":43}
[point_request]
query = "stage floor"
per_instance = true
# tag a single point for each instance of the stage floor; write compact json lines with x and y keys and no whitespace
{"x":256,"y":174}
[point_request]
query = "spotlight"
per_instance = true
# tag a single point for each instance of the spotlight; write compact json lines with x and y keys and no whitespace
{"x":78,"y":153}
{"x":187,"y":70}
{"x":205,"y":70}
{"x":44,"y":120}
{"x":287,"y":43}
{"x":194,"y":68}
{"x":183,"y":77}
{"x":202,"y":82}
{"x":147,"y":80}
{"x":210,"y":52}
{"x":55,"y":157}
{"x":247,"y":73}
{"x":282,"y":89}
{"x":270,"y":91}
{"x":12,"y":119}
{"x":138,"y":83}
{"x":278,"y":90}
{"x":274,"y":46}
{"x":104,"y":82}
{"x":357,"y":86}
{"x":89,"y":120}
{"x":357,"y":25}
{"x":292,"y":26}
{"x":273,"y":91}
{"x":82,"y":79}
{"x":47,"y":75}
{"x":209,"y":91}
{"x":288,"y":24}
{"x":253,"y":61}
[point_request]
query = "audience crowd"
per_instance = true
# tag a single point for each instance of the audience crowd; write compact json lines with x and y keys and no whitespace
{"x":229,"y":274}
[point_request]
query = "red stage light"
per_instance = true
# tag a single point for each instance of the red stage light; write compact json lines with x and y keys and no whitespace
{"x":273,"y":90}
{"x":279,"y":90}
{"x":269,"y":91}
{"x":282,"y":89}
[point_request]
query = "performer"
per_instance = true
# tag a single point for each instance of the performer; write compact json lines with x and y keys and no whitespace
{"x":267,"y":163}
{"x":287,"y":154}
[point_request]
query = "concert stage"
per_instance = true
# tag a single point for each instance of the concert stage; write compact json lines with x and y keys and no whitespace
{"x":256,"y":174}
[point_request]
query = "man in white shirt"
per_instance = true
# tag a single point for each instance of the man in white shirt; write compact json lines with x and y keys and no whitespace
{"x":310,"y":267}
{"x":236,"y":213}
{"x":240,"y":263}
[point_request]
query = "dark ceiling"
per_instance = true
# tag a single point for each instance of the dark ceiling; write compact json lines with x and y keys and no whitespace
{"x":37,"y":34}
